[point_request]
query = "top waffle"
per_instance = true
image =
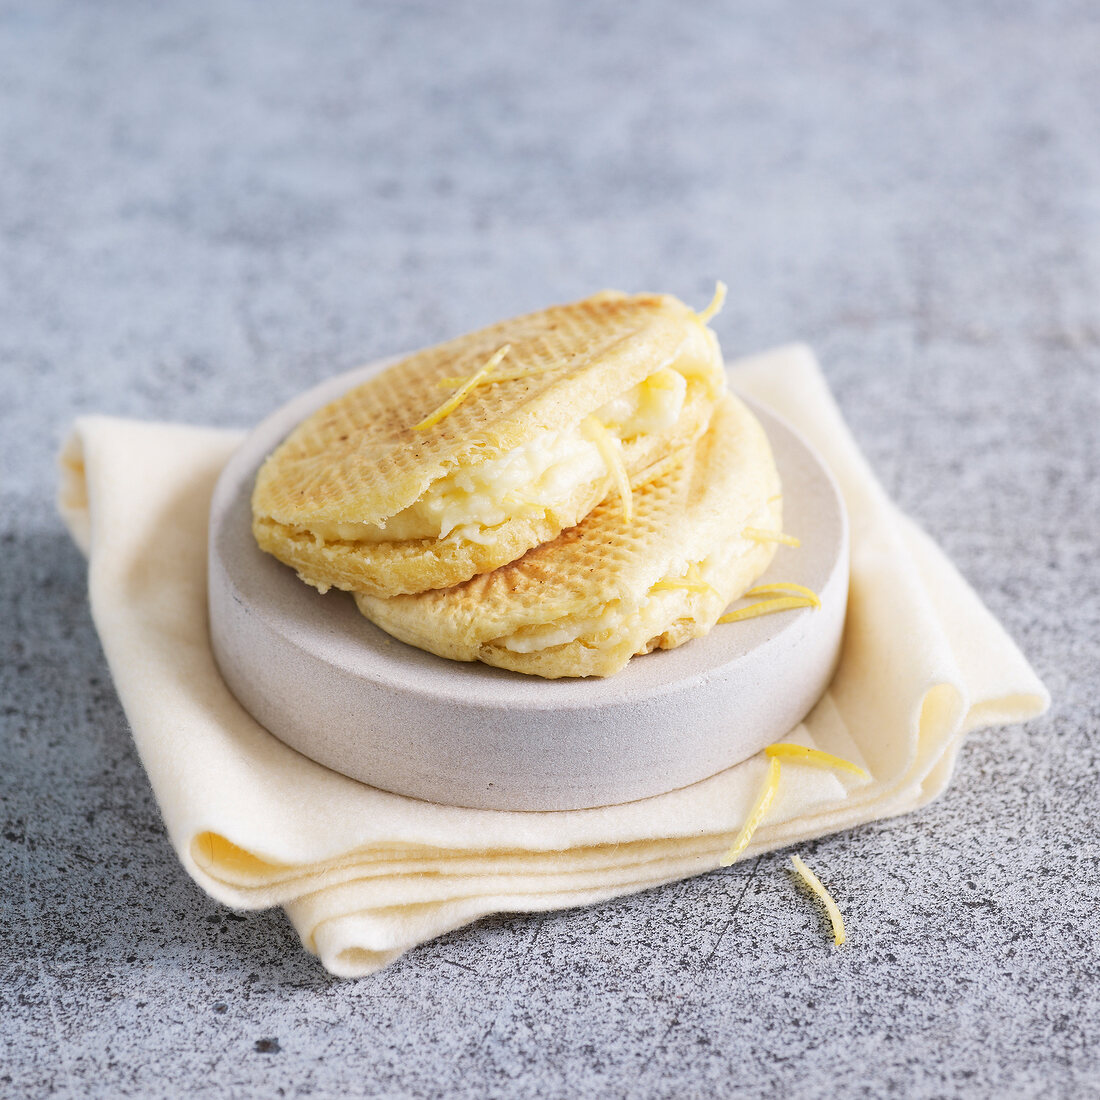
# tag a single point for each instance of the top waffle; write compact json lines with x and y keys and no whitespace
{"x":374,"y":495}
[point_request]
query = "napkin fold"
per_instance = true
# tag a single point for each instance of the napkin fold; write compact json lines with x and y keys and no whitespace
{"x":365,"y":874}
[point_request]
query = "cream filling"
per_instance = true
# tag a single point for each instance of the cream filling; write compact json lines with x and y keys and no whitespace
{"x":526,"y":481}
{"x":604,"y":629}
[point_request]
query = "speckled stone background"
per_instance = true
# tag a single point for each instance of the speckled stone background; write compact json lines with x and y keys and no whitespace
{"x":206,"y":207}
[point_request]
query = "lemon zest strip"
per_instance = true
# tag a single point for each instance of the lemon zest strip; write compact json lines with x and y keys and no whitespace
{"x":716,"y":303}
{"x":692,"y":580}
{"x":814,"y":883}
{"x":613,"y":459}
{"x":690,"y":586}
{"x":787,"y":750}
{"x":462,"y":392}
{"x":497,"y":376}
{"x":759,"y":535}
{"x":772,"y":587}
{"x":766,"y":607}
{"x":756,"y":815}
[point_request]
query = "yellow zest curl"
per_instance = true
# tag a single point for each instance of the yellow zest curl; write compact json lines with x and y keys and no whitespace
{"x":756,"y":814}
{"x":786,"y":750}
{"x":497,"y":376}
{"x":758,"y":535}
{"x":766,"y":607}
{"x":689,"y":586}
{"x":780,"y":587}
{"x":692,"y":581}
{"x":612,"y":455}
{"x":716,"y":303}
{"x":462,"y":392}
{"x":814,"y":883}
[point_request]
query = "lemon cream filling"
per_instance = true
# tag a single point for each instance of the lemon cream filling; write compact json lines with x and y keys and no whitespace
{"x":525,"y":481}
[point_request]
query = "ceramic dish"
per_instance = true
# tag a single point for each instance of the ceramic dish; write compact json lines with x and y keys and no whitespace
{"x":327,"y":682}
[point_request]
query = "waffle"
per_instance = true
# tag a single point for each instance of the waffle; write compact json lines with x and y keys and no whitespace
{"x":358,"y":498}
{"x":585,"y":603}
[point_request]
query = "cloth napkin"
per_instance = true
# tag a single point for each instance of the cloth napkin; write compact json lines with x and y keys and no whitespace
{"x":364,"y":874}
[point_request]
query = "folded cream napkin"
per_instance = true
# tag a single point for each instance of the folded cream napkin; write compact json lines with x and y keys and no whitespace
{"x":365,"y":875}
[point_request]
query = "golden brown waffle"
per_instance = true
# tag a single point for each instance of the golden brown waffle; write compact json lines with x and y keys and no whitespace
{"x":594,"y":584}
{"x":360,"y":460}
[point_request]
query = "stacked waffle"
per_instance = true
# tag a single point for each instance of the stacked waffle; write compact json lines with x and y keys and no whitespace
{"x":552,"y":494}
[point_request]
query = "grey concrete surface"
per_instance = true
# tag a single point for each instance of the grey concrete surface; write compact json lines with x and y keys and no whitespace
{"x":206,"y":207}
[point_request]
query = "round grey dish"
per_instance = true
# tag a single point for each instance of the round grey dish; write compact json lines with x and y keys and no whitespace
{"x":330,"y":684}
